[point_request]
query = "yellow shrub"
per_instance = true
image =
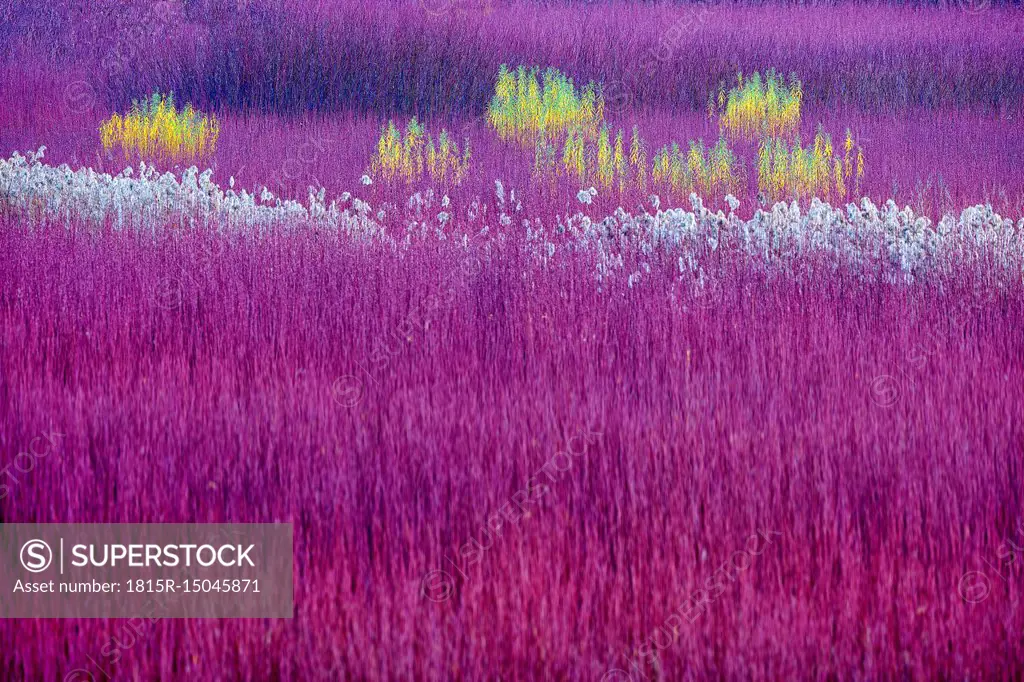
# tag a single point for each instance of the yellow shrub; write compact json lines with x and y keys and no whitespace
{"x":156,"y":130}
{"x":574,"y":156}
{"x":792,"y":171}
{"x":638,"y":159}
{"x":604,"y":163}
{"x":709,"y":172}
{"x":759,"y":107}
{"x":416,"y":155}
{"x":525,"y":109}
{"x":669,"y":171}
{"x":601,"y":162}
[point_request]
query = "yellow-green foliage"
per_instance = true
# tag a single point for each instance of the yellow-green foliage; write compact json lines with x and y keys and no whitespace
{"x":606,"y":163}
{"x":707,"y":171}
{"x":525,"y":109}
{"x":574,"y":156}
{"x":571,"y":140}
{"x":638,"y":159}
{"x":715,"y":170}
{"x":602,"y":162}
{"x":416,"y":155}
{"x":611,"y":161}
{"x":759,"y":106}
{"x":790,"y":170}
{"x":668,"y":172}
{"x":156,"y":130}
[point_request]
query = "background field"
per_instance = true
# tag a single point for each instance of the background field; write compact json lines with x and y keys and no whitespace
{"x":933,"y":94}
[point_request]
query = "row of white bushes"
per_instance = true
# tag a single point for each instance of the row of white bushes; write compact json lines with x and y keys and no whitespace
{"x":874,"y":238}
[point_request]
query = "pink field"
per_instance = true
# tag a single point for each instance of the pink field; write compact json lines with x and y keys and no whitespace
{"x":761,"y":411}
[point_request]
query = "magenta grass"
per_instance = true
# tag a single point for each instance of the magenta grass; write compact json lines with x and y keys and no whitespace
{"x":873,"y":426}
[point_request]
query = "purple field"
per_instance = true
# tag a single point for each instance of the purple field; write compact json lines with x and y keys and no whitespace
{"x":552,"y":441}
{"x":759,"y":411}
